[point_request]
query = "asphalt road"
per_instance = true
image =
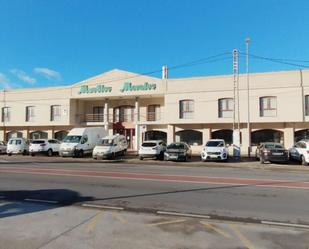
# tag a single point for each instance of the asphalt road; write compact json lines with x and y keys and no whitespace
{"x":224,"y":193}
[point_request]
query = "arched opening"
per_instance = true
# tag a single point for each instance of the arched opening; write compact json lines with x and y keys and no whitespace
{"x":13,"y":134}
{"x":191,"y":137}
{"x":60,"y":135}
{"x":267,"y":135}
{"x":156,"y":135}
{"x":302,"y":134}
{"x":38,"y":135}
{"x":226,"y":135}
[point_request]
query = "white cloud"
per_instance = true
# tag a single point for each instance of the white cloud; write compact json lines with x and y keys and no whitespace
{"x":48,"y":73}
{"x":4,"y":81}
{"x":23,"y":76}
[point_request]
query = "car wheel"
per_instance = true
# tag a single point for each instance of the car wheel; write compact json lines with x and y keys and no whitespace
{"x":303,"y":161}
{"x":24,"y":152}
{"x":9,"y":154}
{"x":185,"y":158}
{"x":49,"y":152}
{"x":141,"y":158}
{"x":81,"y":153}
{"x":32,"y":154}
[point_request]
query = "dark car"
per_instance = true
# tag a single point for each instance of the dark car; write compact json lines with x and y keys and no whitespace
{"x":272,"y":152}
{"x":178,"y":152}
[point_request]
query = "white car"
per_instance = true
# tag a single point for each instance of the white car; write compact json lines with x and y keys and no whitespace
{"x":2,"y":147}
{"x":215,"y":149}
{"x":17,"y":146}
{"x":300,"y":151}
{"x":152,"y":149}
{"x":44,"y":146}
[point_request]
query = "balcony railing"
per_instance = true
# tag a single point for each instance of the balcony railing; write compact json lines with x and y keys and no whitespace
{"x":115,"y":118}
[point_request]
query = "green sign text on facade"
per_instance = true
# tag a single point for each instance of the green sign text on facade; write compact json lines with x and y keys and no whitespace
{"x":126,"y":87}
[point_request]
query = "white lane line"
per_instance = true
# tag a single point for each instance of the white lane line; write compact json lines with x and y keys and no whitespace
{"x":102,"y":206}
{"x":284,"y":224}
{"x":42,"y":201}
{"x":184,"y":214}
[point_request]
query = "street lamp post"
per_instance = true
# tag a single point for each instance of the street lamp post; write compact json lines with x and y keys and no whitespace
{"x":248,"y":96}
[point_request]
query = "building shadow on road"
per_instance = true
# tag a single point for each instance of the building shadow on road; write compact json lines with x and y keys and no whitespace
{"x":19,"y":202}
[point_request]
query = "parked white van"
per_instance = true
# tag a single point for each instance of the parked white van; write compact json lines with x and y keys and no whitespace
{"x":81,"y":141}
{"x":17,"y":146}
{"x":110,"y":147}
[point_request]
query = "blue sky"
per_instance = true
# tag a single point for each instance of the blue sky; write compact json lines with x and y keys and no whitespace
{"x":60,"y":42}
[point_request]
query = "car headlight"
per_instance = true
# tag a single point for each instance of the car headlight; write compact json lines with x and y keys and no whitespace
{"x":166,"y":154}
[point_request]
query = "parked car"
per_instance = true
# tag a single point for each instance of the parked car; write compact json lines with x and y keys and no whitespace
{"x":152,"y":149}
{"x":110,"y":147}
{"x":17,"y":146}
{"x":2,"y":147}
{"x":300,"y":152}
{"x":44,"y":146}
{"x":81,"y":141}
{"x":272,"y":152}
{"x":178,"y":152}
{"x":215,"y":149}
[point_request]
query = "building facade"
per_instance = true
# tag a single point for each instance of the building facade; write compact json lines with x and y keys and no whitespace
{"x":183,"y":109}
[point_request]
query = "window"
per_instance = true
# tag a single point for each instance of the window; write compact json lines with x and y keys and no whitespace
{"x":124,"y":114}
{"x":38,"y":135}
{"x":98,"y":114}
{"x":153,"y":113}
{"x":55,"y":113}
{"x":6,"y":114}
{"x":155,"y":135}
{"x":186,"y":109}
{"x":60,"y":135}
{"x":301,"y":134}
{"x":268,"y":106}
{"x":226,"y":108}
{"x":30,"y":113}
{"x":307,"y":105}
{"x":226,"y":135}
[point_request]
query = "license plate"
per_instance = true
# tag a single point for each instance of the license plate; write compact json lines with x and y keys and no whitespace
{"x":213,"y":156}
{"x":277,"y":154}
{"x":173,"y":157}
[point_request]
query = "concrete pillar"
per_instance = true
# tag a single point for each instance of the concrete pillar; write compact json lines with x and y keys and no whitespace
{"x":245,"y":136}
{"x":2,"y":135}
{"x":106,"y":114}
{"x":170,"y":134}
{"x":206,"y":135}
{"x":50,"y":133}
{"x":288,"y":137}
{"x":137,"y":126}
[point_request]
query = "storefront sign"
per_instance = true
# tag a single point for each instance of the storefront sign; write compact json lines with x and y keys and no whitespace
{"x":129,"y":87}
{"x":126,"y":87}
{"x":96,"y":89}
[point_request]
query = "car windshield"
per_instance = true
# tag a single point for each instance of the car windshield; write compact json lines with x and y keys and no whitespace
{"x":149,"y":144}
{"x":105,"y":142}
{"x":214,"y":144}
{"x":273,"y":146}
{"x":176,"y":146}
{"x":72,"y":139}
{"x":14,"y":141}
{"x":38,"y":142}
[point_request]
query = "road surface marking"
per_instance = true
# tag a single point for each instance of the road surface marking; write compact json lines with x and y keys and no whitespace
{"x":284,"y":224}
{"x":242,"y":237}
{"x":38,"y":200}
{"x":216,"y":229}
{"x":184,"y":214}
{"x":237,"y":182}
{"x":119,"y":218}
{"x":93,"y":222}
{"x":102,"y":206}
{"x":165,"y":223}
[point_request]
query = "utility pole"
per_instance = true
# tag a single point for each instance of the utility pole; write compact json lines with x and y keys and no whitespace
{"x":248,"y":96}
{"x":236,"y":133}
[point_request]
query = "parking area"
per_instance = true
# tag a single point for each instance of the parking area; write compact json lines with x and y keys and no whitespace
{"x":38,"y":225}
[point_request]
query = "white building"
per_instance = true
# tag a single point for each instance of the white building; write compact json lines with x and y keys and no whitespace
{"x":184,"y":109}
